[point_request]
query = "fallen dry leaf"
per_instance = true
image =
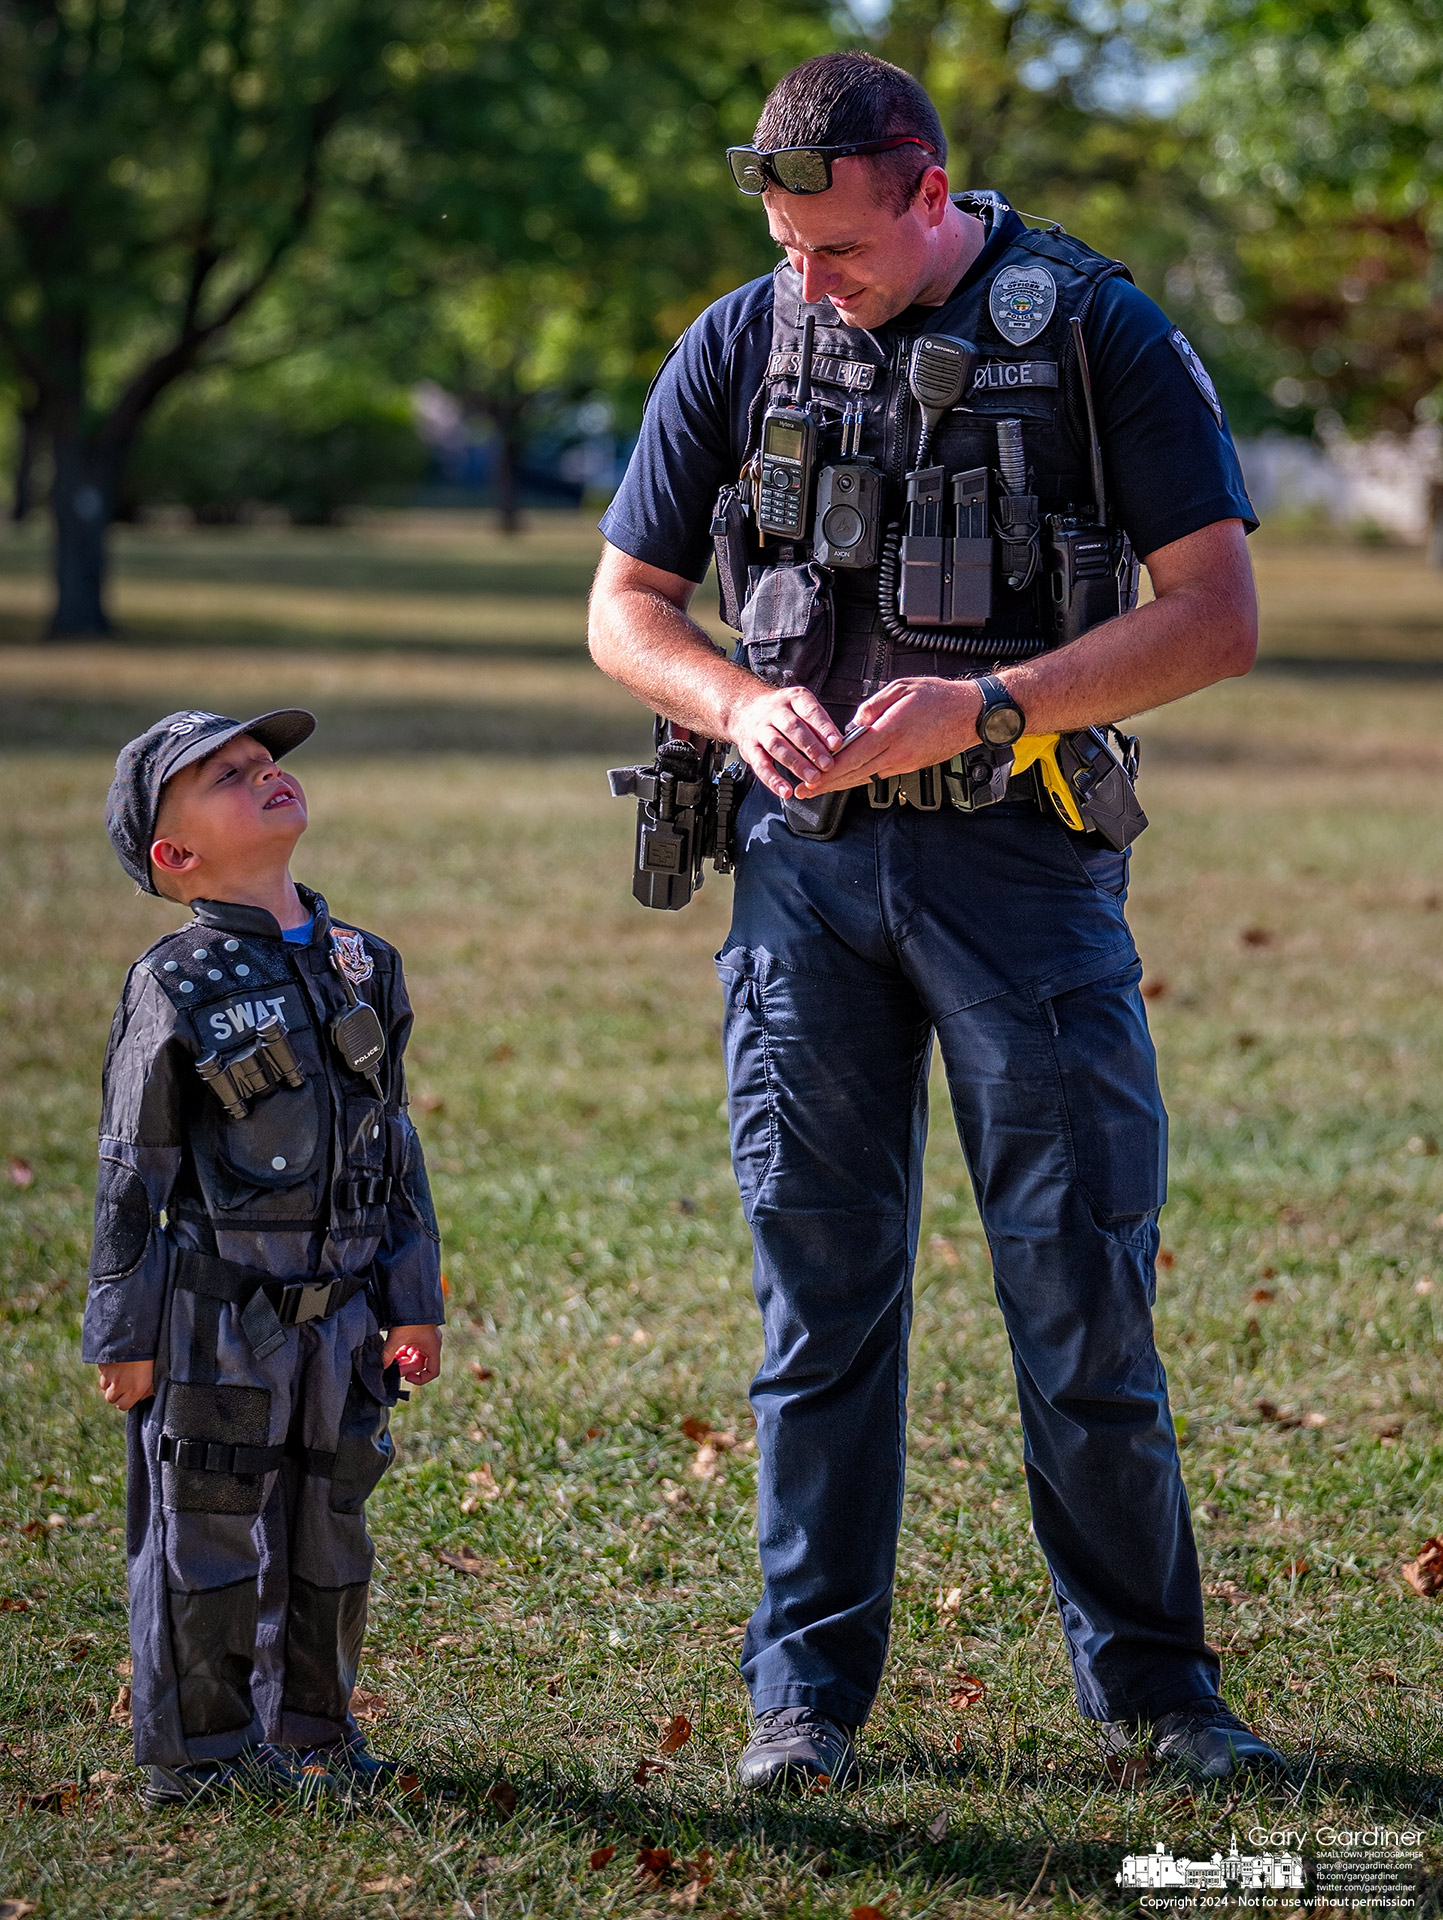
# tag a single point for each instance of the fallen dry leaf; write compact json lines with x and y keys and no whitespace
{"x":60,"y":1798}
{"x":868,"y":1913}
{"x":653,"y":1863}
{"x":1425,"y":1574}
{"x":1166,"y":1257}
{"x":1224,"y":1590}
{"x":1260,"y":1295}
{"x":1315,"y":1420}
{"x":120,"y":1706}
{"x":368,"y":1706}
{"x":936,"y":1828}
{"x":32,"y":1527}
{"x":1256,"y":937}
{"x":950,"y":1601}
{"x":389,"y":1883}
{"x":1126,"y":1772}
{"x":16,"y":1909}
{"x":22,"y":1174}
{"x":602,"y":1857}
{"x":555,"y":1685}
{"x":1295,"y":1569}
{"x":502,"y":1796}
{"x":15,"y":1604}
{"x":966,"y":1690}
{"x":1153,"y":989}
{"x":464,"y":1560}
{"x":675,"y":1734}
{"x":644,"y":1769}
{"x":482,"y":1373}
{"x":695,"y":1428}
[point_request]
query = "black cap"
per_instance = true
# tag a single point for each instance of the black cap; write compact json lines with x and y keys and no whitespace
{"x":179,"y":740}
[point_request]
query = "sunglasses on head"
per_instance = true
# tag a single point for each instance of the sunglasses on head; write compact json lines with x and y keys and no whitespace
{"x":803,"y":169}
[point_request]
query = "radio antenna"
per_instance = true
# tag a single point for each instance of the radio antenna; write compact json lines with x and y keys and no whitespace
{"x":804,"y":372}
{"x":1094,"y":445}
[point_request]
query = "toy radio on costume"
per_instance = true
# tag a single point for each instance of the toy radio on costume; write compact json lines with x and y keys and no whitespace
{"x":937,"y":510}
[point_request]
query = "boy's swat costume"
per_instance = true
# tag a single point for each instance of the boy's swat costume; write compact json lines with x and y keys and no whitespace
{"x":262,"y":1211}
{"x":945,"y":494}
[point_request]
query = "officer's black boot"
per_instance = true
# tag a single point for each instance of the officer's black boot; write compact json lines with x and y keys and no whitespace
{"x":1205,"y":1738}
{"x":796,"y":1747}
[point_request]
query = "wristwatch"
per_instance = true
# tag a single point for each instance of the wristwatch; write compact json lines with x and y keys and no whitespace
{"x":1001,"y":722}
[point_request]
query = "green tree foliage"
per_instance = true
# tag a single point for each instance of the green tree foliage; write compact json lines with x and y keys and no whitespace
{"x":1324,"y":125}
{"x":160,"y":159}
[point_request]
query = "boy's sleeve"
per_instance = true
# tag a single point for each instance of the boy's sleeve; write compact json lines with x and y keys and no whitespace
{"x":408,"y":1260}
{"x":140,"y":1153}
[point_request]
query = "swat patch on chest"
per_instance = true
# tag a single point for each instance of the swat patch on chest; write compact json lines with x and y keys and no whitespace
{"x":1201,"y":378}
{"x":1021,"y":301}
{"x":233,"y":1020}
{"x":1002,"y":376}
{"x":857,"y":376}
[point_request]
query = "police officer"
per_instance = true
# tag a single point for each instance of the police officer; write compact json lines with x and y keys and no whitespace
{"x":996,"y":930}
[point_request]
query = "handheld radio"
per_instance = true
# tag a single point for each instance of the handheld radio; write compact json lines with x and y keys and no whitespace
{"x":789,"y":456}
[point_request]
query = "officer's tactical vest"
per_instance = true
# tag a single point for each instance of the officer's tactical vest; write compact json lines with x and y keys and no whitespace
{"x":1026,"y":372}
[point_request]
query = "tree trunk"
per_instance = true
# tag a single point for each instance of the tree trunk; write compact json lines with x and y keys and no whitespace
{"x":508,"y":472}
{"x":23,"y":497}
{"x":81,"y":499}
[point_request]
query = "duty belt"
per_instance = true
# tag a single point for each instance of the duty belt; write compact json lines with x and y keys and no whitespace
{"x":928,"y":787}
{"x":268,"y":1306}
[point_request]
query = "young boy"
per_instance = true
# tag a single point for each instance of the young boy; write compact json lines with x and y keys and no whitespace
{"x":262,"y":1213}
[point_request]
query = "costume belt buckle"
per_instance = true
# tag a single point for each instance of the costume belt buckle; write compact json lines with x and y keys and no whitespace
{"x":299,"y":1304}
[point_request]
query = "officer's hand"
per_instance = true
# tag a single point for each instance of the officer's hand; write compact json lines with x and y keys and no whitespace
{"x":782,"y":732}
{"x":910,"y":723}
{"x":416,"y":1350}
{"x":126,"y":1383}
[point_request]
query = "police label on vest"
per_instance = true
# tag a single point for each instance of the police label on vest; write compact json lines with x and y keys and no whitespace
{"x":1003,"y":375}
{"x":234,"y":1021}
{"x":1022,"y":300}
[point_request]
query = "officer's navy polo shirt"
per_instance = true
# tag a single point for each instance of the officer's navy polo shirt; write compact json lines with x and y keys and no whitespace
{"x":1171,"y":465}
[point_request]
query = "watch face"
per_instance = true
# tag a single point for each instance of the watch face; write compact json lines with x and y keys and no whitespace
{"x":1001,"y":726}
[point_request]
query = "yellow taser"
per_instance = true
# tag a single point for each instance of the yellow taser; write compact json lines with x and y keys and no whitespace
{"x":1040,"y":750}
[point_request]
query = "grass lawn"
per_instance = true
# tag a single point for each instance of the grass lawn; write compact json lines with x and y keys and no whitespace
{"x":1288,"y":901}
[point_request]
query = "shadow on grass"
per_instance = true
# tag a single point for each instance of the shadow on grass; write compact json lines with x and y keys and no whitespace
{"x":58,"y":723}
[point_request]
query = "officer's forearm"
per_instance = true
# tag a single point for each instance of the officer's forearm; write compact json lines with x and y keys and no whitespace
{"x":1202,"y":627}
{"x":641,"y":635}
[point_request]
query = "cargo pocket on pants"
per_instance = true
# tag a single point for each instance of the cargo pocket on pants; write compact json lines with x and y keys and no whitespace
{"x":364,"y":1447}
{"x":213,"y":1451}
{"x":751,"y":1095}
{"x":1116,"y":1120}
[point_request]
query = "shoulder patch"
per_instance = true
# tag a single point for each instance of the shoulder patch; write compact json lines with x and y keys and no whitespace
{"x":1201,"y":379}
{"x":1021,"y":301}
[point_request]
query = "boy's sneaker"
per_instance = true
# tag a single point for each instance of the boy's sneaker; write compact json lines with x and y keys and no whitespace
{"x":354,"y":1768}
{"x":261,"y":1770}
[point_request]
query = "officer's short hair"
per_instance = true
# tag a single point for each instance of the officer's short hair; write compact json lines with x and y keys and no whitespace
{"x":840,"y":97}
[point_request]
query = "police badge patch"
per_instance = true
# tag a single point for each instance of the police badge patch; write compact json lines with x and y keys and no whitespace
{"x":351,"y":956}
{"x":1022,"y":301}
{"x":1200,"y":376}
